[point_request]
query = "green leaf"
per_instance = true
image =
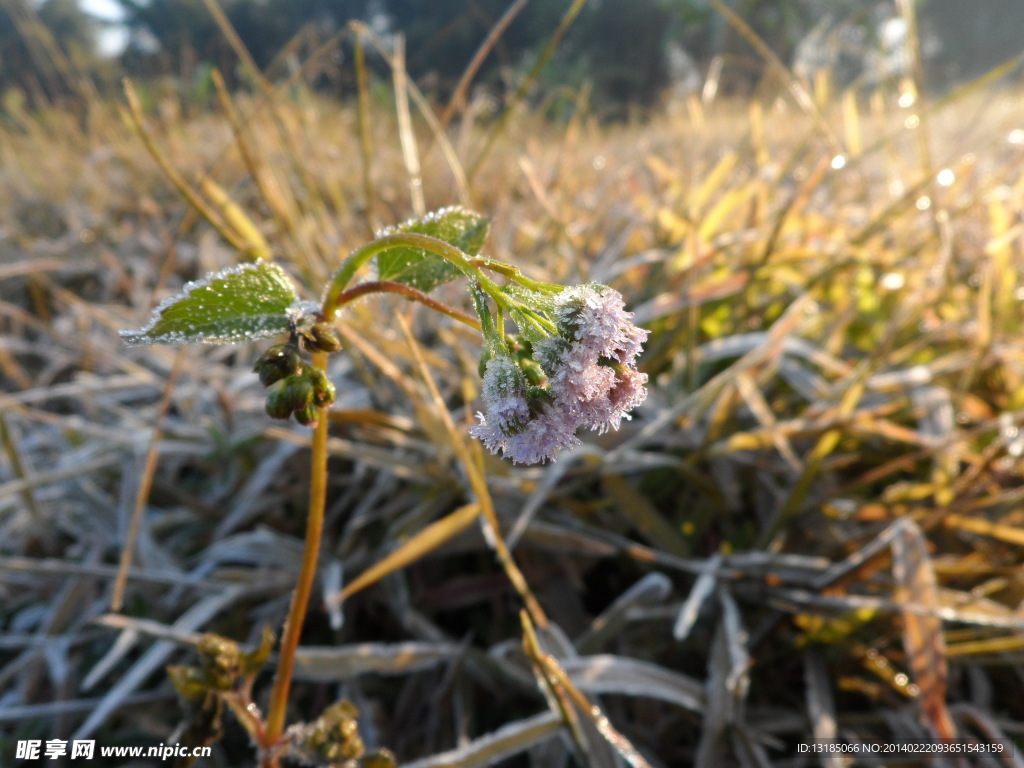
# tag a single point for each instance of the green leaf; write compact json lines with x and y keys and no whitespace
{"x":250,"y":301}
{"x":464,"y":229}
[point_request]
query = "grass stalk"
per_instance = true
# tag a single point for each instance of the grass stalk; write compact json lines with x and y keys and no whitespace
{"x":525,"y":85}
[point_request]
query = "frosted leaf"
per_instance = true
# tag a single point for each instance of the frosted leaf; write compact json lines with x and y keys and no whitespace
{"x":250,"y":301}
{"x":457,"y":226}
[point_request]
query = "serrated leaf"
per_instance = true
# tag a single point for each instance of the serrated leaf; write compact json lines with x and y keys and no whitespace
{"x":464,"y":229}
{"x":250,"y":301}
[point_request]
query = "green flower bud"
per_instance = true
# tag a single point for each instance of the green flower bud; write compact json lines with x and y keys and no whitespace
{"x":321,"y":336}
{"x":276,"y":363}
{"x":308,"y":416}
{"x":298,"y":391}
{"x":323,"y":389}
{"x":277,"y":405}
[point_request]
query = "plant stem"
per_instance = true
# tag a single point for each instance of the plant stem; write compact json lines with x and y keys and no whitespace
{"x":396,"y":240}
{"x":307,"y":575}
{"x":389,"y":286}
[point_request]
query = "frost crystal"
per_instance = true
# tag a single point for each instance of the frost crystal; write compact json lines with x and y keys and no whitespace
{"x":249,"y":301}
{"x":592,"y":364}
{"x":434,"y":216}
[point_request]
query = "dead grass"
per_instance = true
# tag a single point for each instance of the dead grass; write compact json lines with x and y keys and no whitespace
{"x":810,"y":530}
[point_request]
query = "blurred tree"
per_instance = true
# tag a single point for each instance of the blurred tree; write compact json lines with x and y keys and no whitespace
{"x":622,"y":46}
{"x":441,"y":36}
{"x":173,"y":36}
{"x":45,"y":48}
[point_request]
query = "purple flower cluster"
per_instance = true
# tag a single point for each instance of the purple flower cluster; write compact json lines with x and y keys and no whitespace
{"x":592,"y":380}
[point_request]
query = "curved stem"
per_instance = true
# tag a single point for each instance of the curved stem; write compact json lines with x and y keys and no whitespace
{"x":472,"y":267}
{"x":396,"y":240}
{"x":304,"y":587}
{"x":514,"y":273}
{"x":389,"y":286}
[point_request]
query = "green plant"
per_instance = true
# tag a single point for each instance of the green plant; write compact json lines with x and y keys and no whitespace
{"x":570,"y":365}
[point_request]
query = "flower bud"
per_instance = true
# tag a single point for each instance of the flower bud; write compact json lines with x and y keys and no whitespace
{"x":277,"y":405}
{"x":323,"y":389}
{"x":276,"y":363}
{"x":297,"y":392}
{"x":308,"y":416}
{"x":321,"y":336}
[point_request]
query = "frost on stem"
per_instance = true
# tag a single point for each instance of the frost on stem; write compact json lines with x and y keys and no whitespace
{"x":592,"y":380}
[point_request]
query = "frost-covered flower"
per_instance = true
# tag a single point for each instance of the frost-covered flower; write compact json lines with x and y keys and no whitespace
{"x":595,"y":317}
{"x":592,"y":381}
{"x":591,"y":365}
{"x":624,"y":395}
{"x":522,"y":422}
{"x":551,"y":431}
{"x":574,"y":374}
{"x":504,"y":394}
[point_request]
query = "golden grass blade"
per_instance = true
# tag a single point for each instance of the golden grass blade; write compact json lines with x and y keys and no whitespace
{"x":913,"y":82}
{"x":1011,"y":534}
{"x":922,"y":630}
{"x":991,"y":646}
{"x":135,"y":119}
{"x":458,"y":100}
{"x":228,"y":30}
{"x":363,"y":121}
{"x":578,"y":713}
{"x":410,"y":154}
{"x":714,"y":182}
{"x":284,"y":216}
{"x":437,"y":129}
{"x":256,"y":247}
{"x":12,"y":449}
{"x":420,"y":545}
{"x":472,"y":462}
{"x":525,"y":86}
{"x":800,"y":95}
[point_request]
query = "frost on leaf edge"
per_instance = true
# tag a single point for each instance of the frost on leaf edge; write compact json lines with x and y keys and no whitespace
{"x":298,"y":308}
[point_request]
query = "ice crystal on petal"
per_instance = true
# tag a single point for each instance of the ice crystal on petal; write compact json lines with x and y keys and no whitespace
{"x":592,"y":380}
{"x":524,"y":434}
{"x":545,"y":435}
{"x":504,"y":393}
{"x":595,"y":317}
{"x":607,"y":412}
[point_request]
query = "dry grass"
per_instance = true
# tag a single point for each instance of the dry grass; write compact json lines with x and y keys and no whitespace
{"x":811,"y":529}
